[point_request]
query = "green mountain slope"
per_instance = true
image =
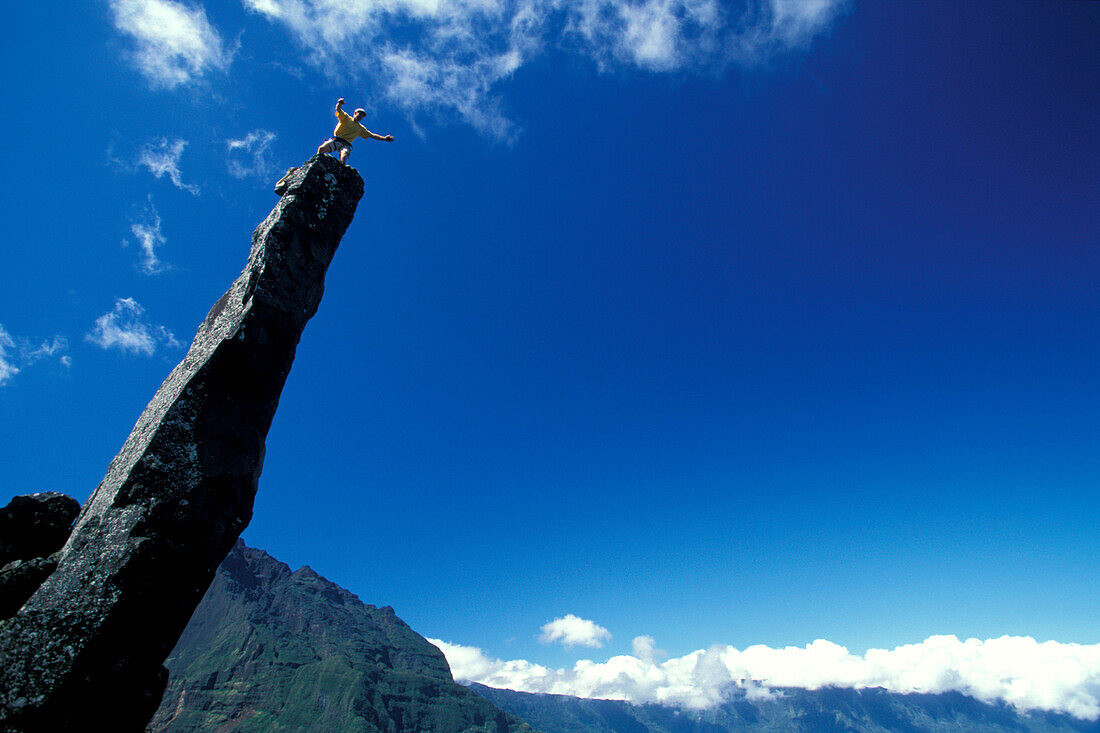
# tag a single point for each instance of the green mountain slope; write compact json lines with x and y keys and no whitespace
{"x":273,"y":650}
{"x":815,"y":711}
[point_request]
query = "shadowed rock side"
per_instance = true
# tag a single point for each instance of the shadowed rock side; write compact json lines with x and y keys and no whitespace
{"x":268,"y":649}
{"x":827,"y":710}
{"x":86,"y":648}
{"x":32,"y":530}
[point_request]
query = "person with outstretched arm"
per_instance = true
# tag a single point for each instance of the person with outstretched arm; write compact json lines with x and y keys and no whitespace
{"x":348,"y":129}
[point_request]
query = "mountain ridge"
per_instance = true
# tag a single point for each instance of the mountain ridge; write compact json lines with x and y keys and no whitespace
{"x":273,"y":649}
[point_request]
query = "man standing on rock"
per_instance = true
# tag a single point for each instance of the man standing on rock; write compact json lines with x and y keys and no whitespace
{"x":347,"y":129}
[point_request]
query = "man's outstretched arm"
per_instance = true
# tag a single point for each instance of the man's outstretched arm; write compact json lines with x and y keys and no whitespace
{"x":383,"y":138}
{"x":339,"y":106}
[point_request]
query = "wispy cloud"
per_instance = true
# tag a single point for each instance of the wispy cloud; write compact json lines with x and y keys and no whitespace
{"x":794,"y":23}
{"x":253,"y":147}
{"x":454,"y":53}
{"x":174,"y":43}
{"x":18,"y":354}
{"x":149,"y":239}
{"x":52,"y":347}
{"x":162,"y":158}
{"x":1021,"y":671}
{"x":571,"y":630}
{"x":658,"y":35}
{"x":8,"y":369}
{"x":125,"y":328}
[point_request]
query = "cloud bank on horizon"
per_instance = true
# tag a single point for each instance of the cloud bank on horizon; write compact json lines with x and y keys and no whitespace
{"x":447,"y":58}
{"x":1025,"y":673}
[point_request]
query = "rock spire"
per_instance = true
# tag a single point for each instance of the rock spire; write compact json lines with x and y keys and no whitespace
{"x":86,"y":649}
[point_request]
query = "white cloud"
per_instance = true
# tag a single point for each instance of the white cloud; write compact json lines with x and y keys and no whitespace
{"x":125,"y":329}
{"x":783,"y":26}
{"x":1021,"y":671}
{"x":573,"y":631}
{"x":18,"y":354}
{"x":659,"y":35}
{"x":253,"y":145}
{"x":645,"y":648}
{"x":650,"y":34}
{"x":174,"y":43}
{"x":149,"y":238}
{"x":421,"y":82}
{"x":162,"y":158}
{"x":8,"y":369}
{"x":453,"y":54}
{"x":795,"y":22}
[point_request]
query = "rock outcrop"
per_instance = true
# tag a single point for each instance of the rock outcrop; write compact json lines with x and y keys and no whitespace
{"x":273,"y":650}
{"x":86,"y":649}
{"x":32,"y":530}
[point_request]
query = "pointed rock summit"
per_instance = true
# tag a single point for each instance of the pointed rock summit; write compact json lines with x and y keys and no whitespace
{"x":86,"y":649}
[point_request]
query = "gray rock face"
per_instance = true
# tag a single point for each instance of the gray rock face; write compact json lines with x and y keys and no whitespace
{"x":20,"y":578}
{"x":86,"y":650}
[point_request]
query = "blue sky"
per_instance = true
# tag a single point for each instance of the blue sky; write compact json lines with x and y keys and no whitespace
{"x":711,"y":323}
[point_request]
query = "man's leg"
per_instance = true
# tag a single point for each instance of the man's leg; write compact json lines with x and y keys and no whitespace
{"x":344,"y":155}
{"x":326,"y":147}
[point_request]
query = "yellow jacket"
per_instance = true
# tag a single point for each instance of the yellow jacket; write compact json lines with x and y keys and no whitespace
{"x":347,"y":128}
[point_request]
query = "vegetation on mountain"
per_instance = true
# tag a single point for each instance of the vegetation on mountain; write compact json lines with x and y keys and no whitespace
{"x":273,"y":650}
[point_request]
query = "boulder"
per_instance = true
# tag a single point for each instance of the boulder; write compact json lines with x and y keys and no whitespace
{"x":33,"y":528}
{"x":35,"y":525}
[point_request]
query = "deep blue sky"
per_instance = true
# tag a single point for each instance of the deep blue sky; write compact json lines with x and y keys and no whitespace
{"x":796,"y":345}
